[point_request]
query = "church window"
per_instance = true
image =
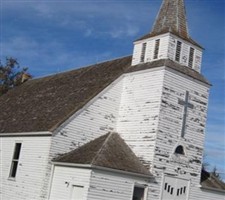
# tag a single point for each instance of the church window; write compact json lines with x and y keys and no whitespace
{"x":139,"y":193}
{"x":15,"y":160}
{"x":179,"y":150}
{"x":156,"y":51}
{"x":178,"y":51}
{"x":143,"y":50}
{"x":191,"y":57}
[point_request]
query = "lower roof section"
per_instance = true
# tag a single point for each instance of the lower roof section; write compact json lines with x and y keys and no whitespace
{"x":211,"y":182}
{"x":109,"y":152}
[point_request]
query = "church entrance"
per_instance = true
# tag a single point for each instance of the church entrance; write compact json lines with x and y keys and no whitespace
{"x":175,"y":189}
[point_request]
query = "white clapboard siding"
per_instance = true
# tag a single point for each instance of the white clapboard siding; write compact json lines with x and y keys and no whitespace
{"x":139,"y":111}
{"x":197,"y":193}
{"x":112,"y":186}
{"x":65,"y":178}
{"x":150,"y":48}
{"x":163,"y":47}
{"x":184,"y":55}
{"x":188,"y":167}
{"x":32,"y":167}
{"x":198,"y":60}
{"x":98,"y":117}
{"x":149,"y":51}
{"x":137,"y":53}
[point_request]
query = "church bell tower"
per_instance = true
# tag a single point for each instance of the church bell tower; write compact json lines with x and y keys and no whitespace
{"x":171,"y":97}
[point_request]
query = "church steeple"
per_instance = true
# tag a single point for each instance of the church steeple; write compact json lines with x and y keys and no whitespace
{"x":171,"y":18}
{"x":169,"y":39}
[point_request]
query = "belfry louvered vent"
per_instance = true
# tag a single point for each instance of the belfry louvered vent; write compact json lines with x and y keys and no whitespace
{"x":191,"y":57}
{"x":175,"y":188}
{"x":156,"y":51}
{"x":178,"y":51}
{"x":168,"y":188}
{"x":143,"y":50}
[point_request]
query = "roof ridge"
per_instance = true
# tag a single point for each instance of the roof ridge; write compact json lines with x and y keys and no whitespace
{"x":103,"y":145}
{"x":80,"y":67}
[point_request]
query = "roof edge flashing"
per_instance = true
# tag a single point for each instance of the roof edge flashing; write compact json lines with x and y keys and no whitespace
{"x":41,"y":133}
{"x":88,"y":166}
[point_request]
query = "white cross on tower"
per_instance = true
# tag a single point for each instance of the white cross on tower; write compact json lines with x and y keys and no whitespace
{"x":186,"y":105}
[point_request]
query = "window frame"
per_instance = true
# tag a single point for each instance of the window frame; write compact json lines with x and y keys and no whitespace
{"x":15,"y":160}
{"x":144,"y":187}
{"x":183,"y":151}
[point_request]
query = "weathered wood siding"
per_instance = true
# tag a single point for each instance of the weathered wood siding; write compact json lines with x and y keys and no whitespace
{"x":197,"y":194}
{"x":65,"y":178}
{"x":150,"y":47}
{"x":184,"y":55}
{"x":111,"y":186}
{"x":32,"y":167}
{"x":97,"y":118}
{"x":143,"y":108}
{"x":169,"y":137}
{"x":139,"y":112}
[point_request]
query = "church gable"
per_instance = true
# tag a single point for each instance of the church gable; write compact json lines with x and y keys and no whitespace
{"x":103,"y":168}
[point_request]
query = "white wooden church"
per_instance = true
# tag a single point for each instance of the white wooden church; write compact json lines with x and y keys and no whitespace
{"x":126,"y":129}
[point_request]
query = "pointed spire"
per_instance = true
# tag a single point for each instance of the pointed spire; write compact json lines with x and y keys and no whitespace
{"x":171,"y":18}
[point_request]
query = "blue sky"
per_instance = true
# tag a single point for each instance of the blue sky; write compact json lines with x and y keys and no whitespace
{"x":54,"y":36}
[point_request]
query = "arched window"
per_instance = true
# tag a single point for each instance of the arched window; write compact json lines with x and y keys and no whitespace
{"x":179,"y":150}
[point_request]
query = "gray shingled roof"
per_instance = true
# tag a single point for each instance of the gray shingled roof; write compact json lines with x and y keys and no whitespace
{"x":45,"y":103}
{"x":108,"y":151}
{"x":210,"y":181}
{"x":172,"y":65}
{"x":171,"y":19}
